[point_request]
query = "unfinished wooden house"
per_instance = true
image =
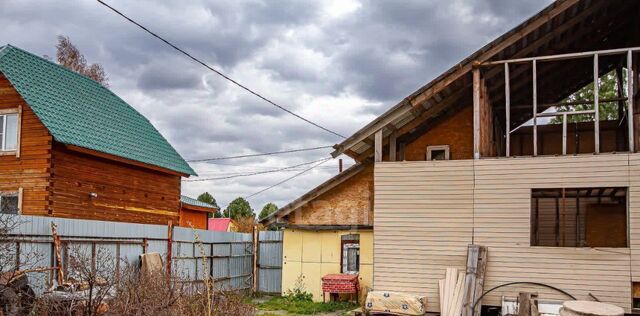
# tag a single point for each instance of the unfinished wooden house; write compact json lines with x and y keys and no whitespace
{"x":515,"y":148}
{"x":69,"y":147}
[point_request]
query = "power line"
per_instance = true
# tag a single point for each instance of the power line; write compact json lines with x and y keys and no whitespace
{"x":260,"y":154}
{"x":217,"y":71}
{"x":287,"y":179}
{"x":258,"y":172}
{"x":221,"y":173}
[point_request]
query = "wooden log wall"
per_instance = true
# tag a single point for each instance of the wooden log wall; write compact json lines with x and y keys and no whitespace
{"x":124,"y":192}
{"x":29,"y":171}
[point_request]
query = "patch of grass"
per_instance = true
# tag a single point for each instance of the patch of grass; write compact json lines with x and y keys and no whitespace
{"x":303,"y":305}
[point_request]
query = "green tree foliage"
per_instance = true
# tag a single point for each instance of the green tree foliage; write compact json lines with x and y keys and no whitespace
{"x":208,"y":198}
{"x":267,"y":209}
{"x":608,"y":89}
{"x":238,"y":208}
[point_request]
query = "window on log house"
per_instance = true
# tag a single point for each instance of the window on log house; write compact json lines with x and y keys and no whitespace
{"x":579,"y":217}
{"x":8,"y":132}
{"x":9,"y":203}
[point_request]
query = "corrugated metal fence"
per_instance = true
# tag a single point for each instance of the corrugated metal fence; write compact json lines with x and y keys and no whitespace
{"x":230,"y":255}
{"x":270,"y":261}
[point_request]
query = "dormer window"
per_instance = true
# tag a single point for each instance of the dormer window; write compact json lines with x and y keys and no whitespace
{"x":8,"y":132}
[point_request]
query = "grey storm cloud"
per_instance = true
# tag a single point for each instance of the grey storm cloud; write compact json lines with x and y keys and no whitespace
{"x":337,"y":62}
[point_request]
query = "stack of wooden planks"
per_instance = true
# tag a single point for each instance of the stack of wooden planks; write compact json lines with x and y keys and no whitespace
{"x":451,"y":292}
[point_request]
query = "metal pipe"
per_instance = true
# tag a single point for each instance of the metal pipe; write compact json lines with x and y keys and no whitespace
{"x":563,"y":56}
{"x":507,"y":109}
{"x":630,"y":99}
{"x":535,"y":109}
{"x":596,"y":104}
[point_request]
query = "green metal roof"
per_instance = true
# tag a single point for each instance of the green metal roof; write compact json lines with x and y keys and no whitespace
{"x":191,"y":201}
{"x":79,"y":111}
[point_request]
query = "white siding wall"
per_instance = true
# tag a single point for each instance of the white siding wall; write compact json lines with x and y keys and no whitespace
{"x":427,"y":212}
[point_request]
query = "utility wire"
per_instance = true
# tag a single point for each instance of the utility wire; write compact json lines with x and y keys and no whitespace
{"x":260,"y":154}
{"x":258,"y":172}
{"x":287,"y":179}
{"x":243,"y":172}
{"x":217,"y":71}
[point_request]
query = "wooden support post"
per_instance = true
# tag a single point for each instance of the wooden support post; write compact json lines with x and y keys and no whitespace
{"x":564,"y":134}
{"x":507,"y":110}
{"x":476,"y":113}
{"x":527,"y":305}
{"x":57,"y":253}
{"x":474,"y":279}
{"x":378,"y":146}
{"x":535,"y":108}
{"x":392,"y":146}
{"x":256,"y":240}
{"x":340,"y":165}
{"x":630,"y":89}
{"x":169,"y":246}
{"x":596,"y":104}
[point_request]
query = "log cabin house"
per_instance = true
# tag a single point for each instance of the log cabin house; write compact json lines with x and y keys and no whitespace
{"x":490,"y":153}
{"x":69,"y":147}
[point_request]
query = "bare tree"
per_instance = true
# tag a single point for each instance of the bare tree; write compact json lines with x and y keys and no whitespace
{"x":70,"y":57}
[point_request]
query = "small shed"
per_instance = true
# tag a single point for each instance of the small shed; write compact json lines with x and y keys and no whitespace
{"x":194,"y":213}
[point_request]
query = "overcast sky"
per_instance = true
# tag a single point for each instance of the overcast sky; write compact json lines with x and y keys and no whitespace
{"x":340,"y":63}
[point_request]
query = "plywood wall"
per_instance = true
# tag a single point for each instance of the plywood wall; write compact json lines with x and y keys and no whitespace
{"x":125,"y":193}
{"x":29,"y":171}
{"x":349,"y":203}
{"x":309,"y":255}
{"x":442,"y":206}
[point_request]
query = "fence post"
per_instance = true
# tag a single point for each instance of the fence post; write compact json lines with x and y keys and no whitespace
{"x":169,"y":246}
{"x":256,"y":239}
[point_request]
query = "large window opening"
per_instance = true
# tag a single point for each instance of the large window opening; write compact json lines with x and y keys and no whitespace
{"x":579,"y":217}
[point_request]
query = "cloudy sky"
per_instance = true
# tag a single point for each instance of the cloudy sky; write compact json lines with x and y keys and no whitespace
{"x":338,"y":62}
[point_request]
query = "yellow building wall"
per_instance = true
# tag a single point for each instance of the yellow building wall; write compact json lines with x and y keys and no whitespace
{"x":309,"y":255}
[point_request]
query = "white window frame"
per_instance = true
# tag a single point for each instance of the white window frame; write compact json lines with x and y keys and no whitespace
{"x":3,"y":116}
{"x":433,"y":148}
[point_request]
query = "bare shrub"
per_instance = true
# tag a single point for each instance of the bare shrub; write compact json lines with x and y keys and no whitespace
{"x":89,"y":285}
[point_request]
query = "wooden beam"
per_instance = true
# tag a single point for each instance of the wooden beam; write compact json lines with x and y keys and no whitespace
{"x":378,"y":146}
{"x":393,"y":146}
{"x":476,"y":113}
